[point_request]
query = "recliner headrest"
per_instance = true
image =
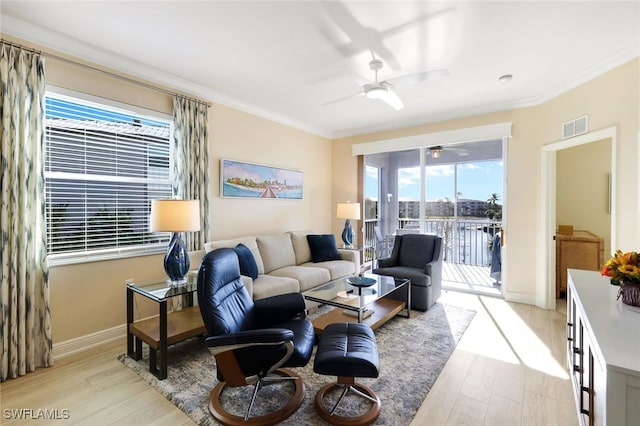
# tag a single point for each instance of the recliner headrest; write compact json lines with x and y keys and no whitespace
{"x":225,"y":304}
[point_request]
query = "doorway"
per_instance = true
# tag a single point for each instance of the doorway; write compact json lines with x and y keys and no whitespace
{"x":546,"y":286}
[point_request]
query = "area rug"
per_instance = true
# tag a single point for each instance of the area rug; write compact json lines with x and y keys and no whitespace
{"x":412,"y":354}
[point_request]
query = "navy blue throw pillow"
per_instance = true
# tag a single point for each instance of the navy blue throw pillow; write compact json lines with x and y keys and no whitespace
{"x":323,"y":247}
{"x":248,"y":265}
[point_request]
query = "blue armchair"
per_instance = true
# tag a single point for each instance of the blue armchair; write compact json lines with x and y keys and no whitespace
{"x":417,"y":257}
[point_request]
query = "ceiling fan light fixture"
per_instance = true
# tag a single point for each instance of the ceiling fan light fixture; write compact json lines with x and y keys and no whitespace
{"x":376,"y":92}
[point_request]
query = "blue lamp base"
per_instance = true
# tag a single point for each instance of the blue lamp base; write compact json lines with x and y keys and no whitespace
{"x":176,"y":261}
{"x":347,"y":234}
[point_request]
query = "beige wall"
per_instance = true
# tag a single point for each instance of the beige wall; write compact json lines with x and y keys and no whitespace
{"x":582,"y":189}
{"x":609,"y":100}
{"x":241,"y":136}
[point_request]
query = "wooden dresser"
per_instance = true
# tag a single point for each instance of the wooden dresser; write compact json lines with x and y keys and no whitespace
{"x":580,"y":250}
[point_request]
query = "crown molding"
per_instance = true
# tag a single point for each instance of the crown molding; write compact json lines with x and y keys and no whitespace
{"x":607,"y":64}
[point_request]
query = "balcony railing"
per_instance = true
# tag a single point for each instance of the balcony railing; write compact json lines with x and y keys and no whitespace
{"x":465,"y":241}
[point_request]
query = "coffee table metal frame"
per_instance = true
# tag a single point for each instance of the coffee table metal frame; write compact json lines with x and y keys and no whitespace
{"x":344,"y":296}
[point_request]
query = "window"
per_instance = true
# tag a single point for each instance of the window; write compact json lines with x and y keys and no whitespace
{"x":103,"y":165}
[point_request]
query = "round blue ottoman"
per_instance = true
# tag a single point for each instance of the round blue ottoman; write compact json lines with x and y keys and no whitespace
{"x":347,"y":350}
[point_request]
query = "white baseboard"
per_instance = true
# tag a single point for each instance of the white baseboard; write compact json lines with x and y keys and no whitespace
{"x":529,"y":299}
{"x":89,"y":341}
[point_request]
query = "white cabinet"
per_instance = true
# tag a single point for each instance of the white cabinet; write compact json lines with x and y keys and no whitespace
{"x":603,"y":350}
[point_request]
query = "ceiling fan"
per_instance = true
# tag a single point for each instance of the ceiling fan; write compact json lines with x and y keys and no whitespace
{"x":384,"y":90}
{"x":436,"y":151}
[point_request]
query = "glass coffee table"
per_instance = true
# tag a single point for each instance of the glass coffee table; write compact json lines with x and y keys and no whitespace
{"x":360,"y":302}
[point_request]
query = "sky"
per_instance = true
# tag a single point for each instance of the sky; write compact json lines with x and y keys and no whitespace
{"x":476,"y":181}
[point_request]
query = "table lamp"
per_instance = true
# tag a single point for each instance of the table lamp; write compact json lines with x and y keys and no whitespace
{"x":348,"y":211}
{"x":175,"y":216}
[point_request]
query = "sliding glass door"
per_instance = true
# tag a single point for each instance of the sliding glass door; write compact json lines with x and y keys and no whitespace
{"x":455,"y":193}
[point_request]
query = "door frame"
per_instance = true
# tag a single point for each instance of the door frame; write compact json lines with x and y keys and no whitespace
{"x":545,"y":287}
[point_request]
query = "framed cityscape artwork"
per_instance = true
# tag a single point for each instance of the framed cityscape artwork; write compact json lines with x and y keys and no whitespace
{"x":246,"y":180}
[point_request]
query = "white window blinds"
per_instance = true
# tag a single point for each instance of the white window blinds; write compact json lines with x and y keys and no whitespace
{"x":102,"y":168}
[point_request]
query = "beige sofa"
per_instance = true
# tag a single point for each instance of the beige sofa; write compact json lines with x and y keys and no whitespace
{"x":284,"y":263}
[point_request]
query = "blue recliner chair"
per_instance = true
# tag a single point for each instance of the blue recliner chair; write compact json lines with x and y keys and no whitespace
{"x":251,"y":341}
{"x":419,"y":258}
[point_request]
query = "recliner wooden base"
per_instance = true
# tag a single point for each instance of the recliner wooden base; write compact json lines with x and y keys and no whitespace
{"x":224,"y":417}
{"x":364,"y":419}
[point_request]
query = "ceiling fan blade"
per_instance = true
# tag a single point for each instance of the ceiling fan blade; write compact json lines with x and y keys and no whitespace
{"x":418,"y":21}
{"x":462,"y":152}
{"x":361,"y":38}
{"x":392,"y":99}
{"x":406,"y":80}
{"x":344,"y":98}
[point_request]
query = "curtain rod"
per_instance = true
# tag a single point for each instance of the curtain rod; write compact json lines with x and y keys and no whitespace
{"x":107,"y":73}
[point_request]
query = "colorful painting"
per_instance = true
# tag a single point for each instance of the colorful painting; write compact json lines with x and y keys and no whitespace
{"x":256,"y":181}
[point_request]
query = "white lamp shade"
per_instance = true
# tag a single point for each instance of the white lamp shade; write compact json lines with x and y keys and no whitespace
{"x":175,"y":216}
{"x":348,"y":211}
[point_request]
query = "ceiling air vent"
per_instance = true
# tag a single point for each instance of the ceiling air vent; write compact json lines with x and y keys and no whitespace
{"x":575,"y":127}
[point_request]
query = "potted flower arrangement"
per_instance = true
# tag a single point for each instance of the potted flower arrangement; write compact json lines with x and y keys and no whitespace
{"x":624,"y":271}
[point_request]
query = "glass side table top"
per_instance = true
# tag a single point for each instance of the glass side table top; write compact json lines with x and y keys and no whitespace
{"x":341,"y":294}
{"x":160,"y":290}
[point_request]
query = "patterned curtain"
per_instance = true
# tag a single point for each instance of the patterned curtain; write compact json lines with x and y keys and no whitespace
{"x":191,"y":161}
{"x":25,"y":328}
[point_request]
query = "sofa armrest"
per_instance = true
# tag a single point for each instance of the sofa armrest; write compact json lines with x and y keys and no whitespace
{"x":248,"y":284}
{"x":351,"y":256}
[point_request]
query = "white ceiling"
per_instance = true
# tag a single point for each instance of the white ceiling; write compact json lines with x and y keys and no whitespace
{"x":284,"y":60}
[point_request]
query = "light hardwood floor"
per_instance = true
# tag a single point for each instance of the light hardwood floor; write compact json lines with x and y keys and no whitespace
{"x":508,"y":369}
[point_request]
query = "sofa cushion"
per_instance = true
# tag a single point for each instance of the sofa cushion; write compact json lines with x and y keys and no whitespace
{"x":250,"y":242}
{"x":276,"y":251}
{"x":336,"y":268}
{"x":247,"y":262}
{"x":323,"y":248}
{"x":301,"y":246}
{"x":308,"y":277}
{"x":268,"y":285}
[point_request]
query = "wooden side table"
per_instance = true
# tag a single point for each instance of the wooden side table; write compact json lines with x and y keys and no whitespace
{"x":164,"y":329}
{"x":579,"y":250}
